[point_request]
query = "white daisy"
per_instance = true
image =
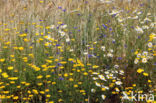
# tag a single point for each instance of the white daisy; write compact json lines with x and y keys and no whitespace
{"x":118,"y":82}
{"x":144,"y":60}
{"x":103,"y":97}
{"x":150,"y":45}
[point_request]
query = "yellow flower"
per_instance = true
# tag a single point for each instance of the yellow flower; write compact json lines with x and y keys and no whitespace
{"x":10,"y":68}
{"x":42,"y":92}
{"x":60,"y":91}
{"x":35,"y":91}
{"x":48,"y":95}
{"x":49,"y":61}
{"x":75,"y":85}
{"x":136,"y":53}
{"x":23,"y":82}
{"x":13,"y":78}
{"x":53,"y":83}
{"x":140,"y":70}
{"x":103,"y":89}
{"x":39,"y":84}
{"x":0,"y":70}
{"x":12,"y":82}
{"x":149,"y":81}
{"x":60,"y":100}
{"x":79,"y":83}
{"x":29,"y":91}
{"x":59,"y":22}
{"x":39,"y":77}
{"x":85,"y":73}
{"x":25,"y":59}
{"x":86,"y":100}
{"x":15,"y":97}
{"x":78,"y":70}
{"x":12,"y":56}
{"x":51,"y":102}
{"x":25,"y":39}
{"x":47,"y":76}
{"x":71,"y":79}
{"x":97,"y":28}
{"x":82,"y":91}
{"x":2,"y":60}
{"x":5,"y":75}
{"x":95,"y":66}
{"x":31,"y":55}
{"x":27,"y":84}
{"x":145,"y":74}
{"x":18,"y":86}
{"x":21,"y":48}
{"x":47,"y":90}
{"x":65,"y":75}
{"x":63,"y":62}
{"x":5,"y":92}
{"x":134,"y":85}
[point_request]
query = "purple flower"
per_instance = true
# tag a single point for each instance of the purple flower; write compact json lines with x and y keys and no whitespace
{"x":126,"y":66}
{"x":70,"y":32}
{"x":78,"y":14}
{"x":132,"y":27}
{"x":89,"y":56}
{"x":31,"y":43}
{"x":57,"y":27}
{"x":64,"y":10}
{"x":86,"y":2}
{"x":104,"y":35}
{"x":58,"y":53}
{"x":132,"y":50}
{"x":56,"y":67}
{"x":113,"y":42}
{"x":59,"y":7}
{"x":104,"y":26}
{"x":113,"y":15}
{"x":119,"y":58}
{"x":125,"y":46}
{"x":139,"y":37}
{"x":57,"y":44}
{"x":75,"y":27}
{"x":110,"y":29}
{"x":62,"y":24}
{"x":61,"y":78}
{"x":26,"y":30}
{"x":141,"y":4}
{"x":59,"y":64}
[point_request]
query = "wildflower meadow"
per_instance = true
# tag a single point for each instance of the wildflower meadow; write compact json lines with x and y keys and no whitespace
{"x":77,"y":51}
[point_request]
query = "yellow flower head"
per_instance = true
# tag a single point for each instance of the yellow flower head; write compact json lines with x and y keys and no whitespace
{"x":10,"y":68}
{"x":140,"y":70}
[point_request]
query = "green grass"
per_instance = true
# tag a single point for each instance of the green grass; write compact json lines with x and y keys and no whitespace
{"x":48,"y":67}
